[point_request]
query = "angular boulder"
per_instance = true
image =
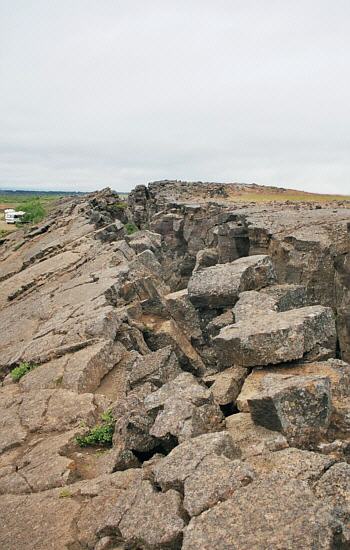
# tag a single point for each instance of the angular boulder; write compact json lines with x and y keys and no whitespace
{"x":252,"y":439}
{"x":272,"y":513}
{"x":226,"y":385}
{"x":297,"y":406}
{"x":220,"y":285}
{"x":172,"y":471}
{"x":184,"y":409}
{"x":156,"y":368}
{"x":270,"y":299}
{"x":145,"y":518}
{"x":274,"y":338}
{"x":215,"y":479}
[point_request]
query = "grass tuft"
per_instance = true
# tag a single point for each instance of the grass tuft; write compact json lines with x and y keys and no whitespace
{"x":21,"y":370}
{"x":131,"y":228}
{"x":100,"y":435}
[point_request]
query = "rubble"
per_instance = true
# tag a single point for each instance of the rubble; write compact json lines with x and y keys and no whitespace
{"x":203,"y":343}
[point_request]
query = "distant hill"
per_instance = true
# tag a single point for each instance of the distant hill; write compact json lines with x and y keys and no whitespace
{"x":26,"y":192}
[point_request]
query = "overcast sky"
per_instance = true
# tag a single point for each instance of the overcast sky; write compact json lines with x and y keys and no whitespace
{"x":122,"y":92}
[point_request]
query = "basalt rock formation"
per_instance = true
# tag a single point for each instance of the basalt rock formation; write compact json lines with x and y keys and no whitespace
{"x":175,"y":374}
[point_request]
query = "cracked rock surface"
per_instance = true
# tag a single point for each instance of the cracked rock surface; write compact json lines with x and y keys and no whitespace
{"x":184,"y":386}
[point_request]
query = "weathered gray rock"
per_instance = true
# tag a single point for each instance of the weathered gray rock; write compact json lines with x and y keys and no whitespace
{"x":160,"y":332}
{"x":206,"y":258}
{"x":146,"y":518}
{"x":334,"y":489}
{"x":275,"y":337}
{"x":299,"y":406}
{"x":338,"y":373}
{"x":270,"y":299}
{"x":156,"y":368}
{"x":174,"y":469}
{"x":219,"y":322}
{"x":184,"y":313}
{"x":252,"y":439}
{"x":133,"y":421}
{"x":184,"y":409}
{"x":266,"y":514}
{"x":292,"y":463}
{"x":215,"y":479}
{"x":144,"y":240}
{"x":221,"y":285}
{"x":226,"y":385}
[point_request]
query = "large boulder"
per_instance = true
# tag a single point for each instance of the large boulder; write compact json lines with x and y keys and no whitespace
{"x":298,"y":406}
{"x":220,"y":285}
{"x":338,"y":373}
{"x":156,"y":368}
{"x":173,"y":470}
{"x":215,"y":479}
{"x":184,"y":408}
{"x":270,"y":299}
{"x":252,"y":439}
{"x":275,"y":337}
{"x":271,"y":513}
{"x":145,"y":518}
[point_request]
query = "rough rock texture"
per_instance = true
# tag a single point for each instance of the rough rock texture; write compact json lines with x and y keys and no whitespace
{"x":266,"y":514}
{"x":273,"y":338}
{"x":220,"y":285}
{"x":298,"y":406}
{"x":125,"y":432}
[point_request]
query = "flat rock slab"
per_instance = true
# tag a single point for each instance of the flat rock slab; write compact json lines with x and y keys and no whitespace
{"x":220,"y":285}
{"x":269,"y":300}
{"x":294,"y":463}
{"x":275,"y":337}
{"x":275,"y":513}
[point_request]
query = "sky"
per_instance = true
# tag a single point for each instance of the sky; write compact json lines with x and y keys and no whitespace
{"x":97,"y":93}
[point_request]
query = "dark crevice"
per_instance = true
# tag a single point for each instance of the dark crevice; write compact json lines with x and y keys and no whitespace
{"x":229,"y":409}
{"x":163,"y":448}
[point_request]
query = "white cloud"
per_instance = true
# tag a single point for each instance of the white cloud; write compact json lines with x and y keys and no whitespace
{"x":120,"y":93}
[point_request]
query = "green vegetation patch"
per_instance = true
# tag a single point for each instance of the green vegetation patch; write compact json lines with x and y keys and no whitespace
{"x":65,"y":493}
{"x":34,"y":211}
{"x":131,"y":228}
{"x":21,"y":370}
{"x":3,"y":233}
{"x":119,"y":205}
{"x":100,"y":435}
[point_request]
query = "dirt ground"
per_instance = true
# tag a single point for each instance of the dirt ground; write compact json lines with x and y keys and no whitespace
{"x":6,"y":226}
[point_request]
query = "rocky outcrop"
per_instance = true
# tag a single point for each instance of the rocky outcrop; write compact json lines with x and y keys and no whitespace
{"x":168,"y":361}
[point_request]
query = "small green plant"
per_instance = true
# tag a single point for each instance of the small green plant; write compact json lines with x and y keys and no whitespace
{"x":3,"y":233}
{"x":119,"y":205}
{"x":131,"y":228}
{"x":21,"y":370}
{"x":102,"y":434}
{"x":65,"y":493}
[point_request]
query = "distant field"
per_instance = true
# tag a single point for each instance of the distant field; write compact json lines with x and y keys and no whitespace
{"x":296,"y":196}
{"x":36,"y":206}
